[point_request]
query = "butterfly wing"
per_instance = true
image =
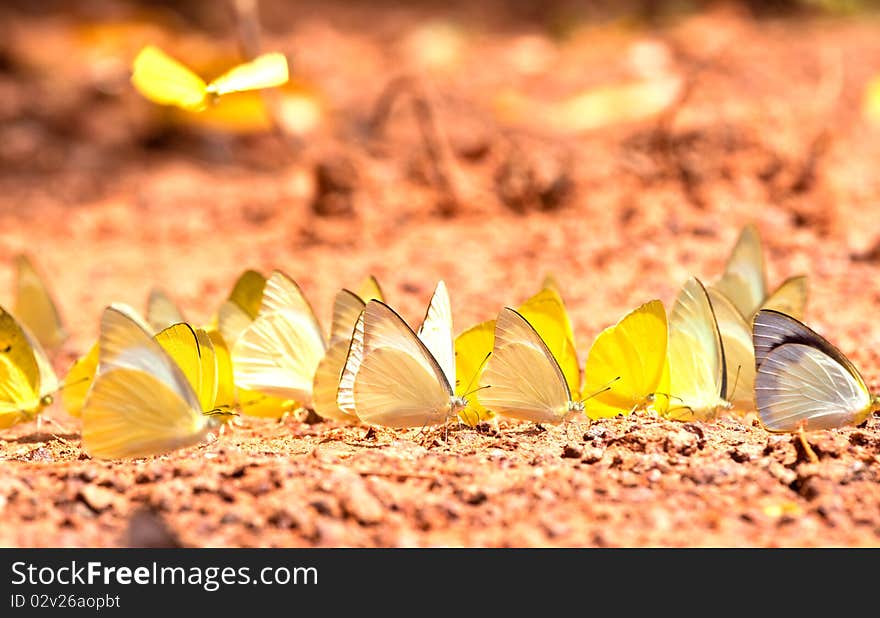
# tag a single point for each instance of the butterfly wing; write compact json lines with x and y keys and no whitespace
{"x":266,"y":71}
{"x":162,"y":312}
{"x":800,"y":385}
{"x":630,"y":359}
{"x":743,"y":281}
{"x":325,"y":386}
{"x":247,"y":292}
{"x":790,"y":297}
{"x":278,"y":355}
{"x":163,"y":80}
{"x":78,"y":381}
{"x":369,"y":289}
{"x":347,"y":306}
{"x":35,"y":307}
{"x":232,"y":321}
{"x":522,"y":377}
{"x":546,"y":312}
{"x":472,"y":349}
{"x":436,"y":332}
{"x":697,"y":378}
{"x":225,"y":397}
{"x":193,"y":352}
{"x":390,"y":377}
{"x":18,"y":400}
{"x":279,"y":352}
{"x":140,"y":403}
{"x":20,"y":373}
{"x":772,"y":329}
{"x":739,"y":352}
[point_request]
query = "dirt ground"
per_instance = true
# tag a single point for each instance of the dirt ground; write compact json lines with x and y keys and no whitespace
{"x":765,"y":126}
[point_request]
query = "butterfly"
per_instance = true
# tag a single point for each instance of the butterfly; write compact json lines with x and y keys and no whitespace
{"x":629,"y":357}
{"x":396,"y":378}
{"x":163,"y":80}
{"x":744,"y":282}
{"x":741,"y":291}
{"x":347,"y":308}
{"x":546,"y":312}
{"x":278,"y":353}
{"x":164,"y":318}
{"x":142,"y":401}
{"x":803,"y":382}
{"x":35,"y":307}
{"x":522,"y":378}
{"x":27,"y":380}
{"x":697,"y":369}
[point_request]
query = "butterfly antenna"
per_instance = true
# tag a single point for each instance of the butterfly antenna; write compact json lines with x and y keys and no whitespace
{"x":64,"y":385}
{"x":476,"y":374}
{"x":604,"y":389}
{"x":735,"y":382}
{"x":476,"y":390}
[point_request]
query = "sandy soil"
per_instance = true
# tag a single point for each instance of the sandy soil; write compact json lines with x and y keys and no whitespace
{"x":769,"y":129}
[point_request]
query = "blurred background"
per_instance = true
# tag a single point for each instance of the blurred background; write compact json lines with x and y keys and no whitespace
{"x":618,"y":145}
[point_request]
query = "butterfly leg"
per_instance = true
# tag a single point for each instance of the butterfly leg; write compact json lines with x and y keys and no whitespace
{"x":52,"y":421}
{"x":802,"y":436}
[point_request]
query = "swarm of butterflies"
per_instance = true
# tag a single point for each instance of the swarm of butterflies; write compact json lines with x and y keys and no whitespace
{"x":153,"y":383}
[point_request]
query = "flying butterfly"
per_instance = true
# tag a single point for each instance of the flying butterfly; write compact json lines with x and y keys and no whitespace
{"x":631,"y":358}
{"x":522,"y":378}
{"x":744,"y":281}
{"x":27,"y":380}
{"x":396,"y":378}
{"x":697,"y":366}
{"x":163,"y":80}
{"x":142,"y":402}
{"x":804,"y":382}
{"x":35,"y":307}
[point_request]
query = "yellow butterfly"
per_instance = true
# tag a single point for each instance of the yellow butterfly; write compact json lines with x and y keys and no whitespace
{"x":744,"y":282}
{"x":163,"y":80}
{"x":630,"y":359}
{"x":523,"y":379}
{"x":396,"y":378}
{"x":546,"y":312}
{"x":26,"y":377}
{"x":803,"y":382}
{"x":346,"y":309}
{"x":35,"y":307}
{"x":142,"y":402}
{"x":697,"y":369}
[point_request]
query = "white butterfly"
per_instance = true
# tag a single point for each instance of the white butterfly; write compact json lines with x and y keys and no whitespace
{"x":697,"y":367}
{"x":803,"y":382}
{"x":522,"y":378}
{"x":395,"y":378}
{"x":278,"y":353}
